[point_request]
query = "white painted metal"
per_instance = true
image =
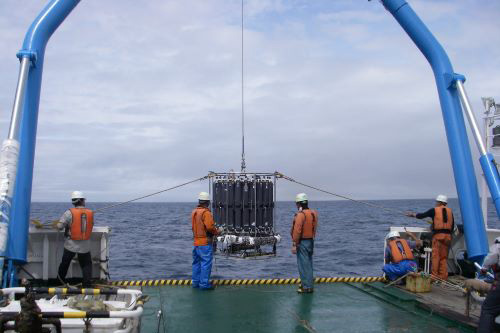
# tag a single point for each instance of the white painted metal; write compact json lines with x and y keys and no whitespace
{"x":124,"y":319}
{"x":45,"y":249}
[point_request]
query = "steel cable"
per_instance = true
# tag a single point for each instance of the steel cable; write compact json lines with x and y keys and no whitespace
{"x":155,"y":193}
{"x":280,"y":175}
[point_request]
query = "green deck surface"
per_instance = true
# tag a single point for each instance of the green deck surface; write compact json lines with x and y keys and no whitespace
{"x":337,"y":307}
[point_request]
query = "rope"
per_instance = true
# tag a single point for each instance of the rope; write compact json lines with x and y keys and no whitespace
{"x":150,"y":195}
{"x":279,"y":175}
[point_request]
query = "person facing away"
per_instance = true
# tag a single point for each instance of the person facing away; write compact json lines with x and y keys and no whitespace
{"x":305,"y":223}
{"x":443,"y":224}
{"x":203,"y":226}
{"x":399,"y":259}
{"x":490,"y":308}
{"x":77,"y":224}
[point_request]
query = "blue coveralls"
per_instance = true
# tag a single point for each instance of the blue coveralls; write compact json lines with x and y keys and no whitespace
{"x":305,"y":262}
{"x":202,"y":266}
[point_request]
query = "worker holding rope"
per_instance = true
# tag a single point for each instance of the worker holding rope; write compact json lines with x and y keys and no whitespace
{"x":304,"y":227}
{"x":203,"y":226}
{"x":77,"y":224}
{"x":442,"y":227}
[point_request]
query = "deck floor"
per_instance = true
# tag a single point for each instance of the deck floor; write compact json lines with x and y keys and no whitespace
{"x":335,"y":307}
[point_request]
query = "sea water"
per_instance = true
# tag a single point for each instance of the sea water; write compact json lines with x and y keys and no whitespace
{"x":154,"y":240}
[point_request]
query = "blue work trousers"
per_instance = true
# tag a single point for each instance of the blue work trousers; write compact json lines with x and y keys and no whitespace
{"x":202,"y":266}
{"x":305,"y":262}
{"x":394,"y":271}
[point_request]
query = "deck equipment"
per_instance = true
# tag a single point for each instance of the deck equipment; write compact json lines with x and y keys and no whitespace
{"x":243,"y":204}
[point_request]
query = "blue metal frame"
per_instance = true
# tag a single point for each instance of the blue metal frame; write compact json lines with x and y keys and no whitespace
{"x":34,"y":45}
{"x":458,"y":143}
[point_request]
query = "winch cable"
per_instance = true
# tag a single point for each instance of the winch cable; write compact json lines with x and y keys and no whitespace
{"x":152,"y":194}
{"x":392,"y":210}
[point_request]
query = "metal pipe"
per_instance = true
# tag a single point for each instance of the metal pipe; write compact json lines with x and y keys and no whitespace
{"x":484,"y":185}
{"x":461,"y":158}
{"x":34,"y":45}
{"x":486,"y":160}
{"x":17,"y":108}
{"x":471,"y":117}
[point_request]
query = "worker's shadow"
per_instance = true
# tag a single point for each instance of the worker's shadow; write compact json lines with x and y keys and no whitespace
{"x":303,"y":314}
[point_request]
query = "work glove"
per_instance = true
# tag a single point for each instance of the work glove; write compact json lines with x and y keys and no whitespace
{"x":54,"y":224}
{"x":37,"y":224}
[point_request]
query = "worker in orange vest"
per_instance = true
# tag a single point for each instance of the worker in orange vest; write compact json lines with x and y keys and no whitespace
{"x":443,"y":224}
{"x":203,"y":226}
{"x":399,"y":259}
{"x":303,"y":232}
{"x":77,"y":224}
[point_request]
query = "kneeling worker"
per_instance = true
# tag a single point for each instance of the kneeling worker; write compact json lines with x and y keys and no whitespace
{"x":203,"y":226}
{"x":77,"y":223}
{"x":303,"y":233}
{"x":399,"y":258}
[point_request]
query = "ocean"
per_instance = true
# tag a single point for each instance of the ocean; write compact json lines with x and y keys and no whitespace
{"x":154,"y":240}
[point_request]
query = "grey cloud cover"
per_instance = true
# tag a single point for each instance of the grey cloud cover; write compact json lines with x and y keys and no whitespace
{"x":140,"y":96}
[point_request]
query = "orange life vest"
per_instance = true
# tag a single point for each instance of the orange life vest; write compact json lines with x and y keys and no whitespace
{"x":309,"y":225}
{"x":439,"y":225}
{"x":81,"y":224}
{"x":200,"y":233}
{"x":396,"y":254}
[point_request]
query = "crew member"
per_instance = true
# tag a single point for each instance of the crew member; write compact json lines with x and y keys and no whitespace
{"x":303,"y":232}
{"x":443,"y":224}
{"x":399,"y":258}
{"x":77,"y":223}
{"x":491,"y":305}
{"x":204,"y":229}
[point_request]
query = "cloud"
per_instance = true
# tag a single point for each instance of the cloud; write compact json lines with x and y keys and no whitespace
{"x":140,"y":98}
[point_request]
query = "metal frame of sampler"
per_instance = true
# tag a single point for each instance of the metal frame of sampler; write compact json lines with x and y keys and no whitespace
{"x":243,"y":204}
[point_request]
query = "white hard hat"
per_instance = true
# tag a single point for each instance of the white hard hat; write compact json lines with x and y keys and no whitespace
{"x":442,"y":198}
{"x":392,"y":234}
{"x":300,"y":197}
{"x":204,"y":196}
{"x":77,"y":195}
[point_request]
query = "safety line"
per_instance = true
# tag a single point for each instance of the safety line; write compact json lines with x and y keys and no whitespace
{"x":150,"y":195}
{"x":246,"y":282}
{"x":280,"y":175}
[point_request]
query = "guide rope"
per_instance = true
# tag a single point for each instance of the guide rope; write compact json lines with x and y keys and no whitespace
{"x":392,"y":210}
{"x":155,"y":193}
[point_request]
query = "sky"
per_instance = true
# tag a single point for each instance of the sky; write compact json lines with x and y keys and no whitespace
{"x":139,"y":96}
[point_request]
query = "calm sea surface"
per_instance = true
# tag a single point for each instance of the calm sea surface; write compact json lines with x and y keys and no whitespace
{"x":154,"y":240}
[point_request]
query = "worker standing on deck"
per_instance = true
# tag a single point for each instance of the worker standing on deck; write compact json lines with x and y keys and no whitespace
{"x":204,"y":229}
{"x":443,"y":224}
{"x":77,"y":223}
{"x":399,"y":258}
{"x":303,"y":233}
{"x":491,"y":305}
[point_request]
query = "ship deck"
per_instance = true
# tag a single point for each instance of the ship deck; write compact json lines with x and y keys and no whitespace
{"x":336,"y":307}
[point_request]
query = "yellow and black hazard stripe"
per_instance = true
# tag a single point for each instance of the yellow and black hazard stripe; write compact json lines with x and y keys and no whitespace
{"x":245,"y":282}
